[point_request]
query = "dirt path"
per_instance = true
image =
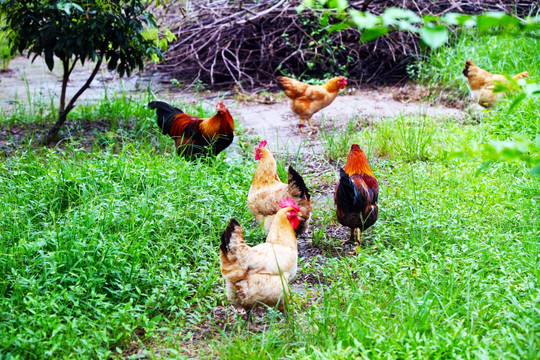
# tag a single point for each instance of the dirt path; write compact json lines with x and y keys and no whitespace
{"x":274,"y":122}
{"x":279,"y":125}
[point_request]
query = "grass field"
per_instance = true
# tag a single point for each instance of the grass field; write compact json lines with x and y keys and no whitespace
{"x":116,"y":246}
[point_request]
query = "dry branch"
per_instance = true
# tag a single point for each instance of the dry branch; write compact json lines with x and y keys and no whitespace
{"x":247,"y":43}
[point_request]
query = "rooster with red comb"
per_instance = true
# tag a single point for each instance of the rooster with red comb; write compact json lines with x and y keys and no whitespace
{"x":356,"y":195}
{"x":194,"y":136}
{"x":267,"y":191}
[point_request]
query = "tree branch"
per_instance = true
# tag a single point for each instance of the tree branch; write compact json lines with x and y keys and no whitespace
{"x":86,"y":85}
{"x":62,"y":116}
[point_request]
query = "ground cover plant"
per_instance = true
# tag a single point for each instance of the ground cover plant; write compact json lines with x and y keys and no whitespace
{"x":111,"y":250}
{"x":123,"y":35}
{"x":96,"y":244}
{"x":451,"y":268}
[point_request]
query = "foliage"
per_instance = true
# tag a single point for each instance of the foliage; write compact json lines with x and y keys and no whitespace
{"x":433,"y":30}
{"x":322,"y":47}
{"x":96,"y":244}
{"x":80,"y":30}
{"x":5,"y":48}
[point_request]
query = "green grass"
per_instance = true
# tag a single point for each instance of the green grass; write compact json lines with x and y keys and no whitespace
{"x":452,"y":269}
{"x":496,"y":54}
{"x":98,"y":245}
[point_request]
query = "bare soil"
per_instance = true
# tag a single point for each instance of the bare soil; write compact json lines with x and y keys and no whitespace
{"x":279,"y":125}
{"x":269,"y":117}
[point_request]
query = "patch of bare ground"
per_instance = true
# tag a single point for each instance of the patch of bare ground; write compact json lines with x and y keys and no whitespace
{"x":276,"y":123}
{"x":415,"y":93}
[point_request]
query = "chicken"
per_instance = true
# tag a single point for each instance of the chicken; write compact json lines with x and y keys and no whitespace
{"x":482,"y":83}
{"x":267,"y":190}
{"x":308,"y":99}
{"x":356,"y":195}
{"x":195,"y":136}
{"x":261,"y":274}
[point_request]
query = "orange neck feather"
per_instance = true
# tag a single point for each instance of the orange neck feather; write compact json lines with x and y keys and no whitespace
{"x":332,"y":85}
{"x":357,"y":163}
{"x":218,"y":124}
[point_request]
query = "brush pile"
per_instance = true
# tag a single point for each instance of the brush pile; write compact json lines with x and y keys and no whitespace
{"x":248,"y":42}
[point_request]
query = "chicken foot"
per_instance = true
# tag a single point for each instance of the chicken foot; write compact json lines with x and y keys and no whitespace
{"x":354,"y":237}
{"x":313,"y":127}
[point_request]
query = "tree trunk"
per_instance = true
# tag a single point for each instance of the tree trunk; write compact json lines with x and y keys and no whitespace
{"x":63,"y":112}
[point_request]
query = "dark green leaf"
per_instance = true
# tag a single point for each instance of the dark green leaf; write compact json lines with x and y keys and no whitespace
{"x":49,"y":59}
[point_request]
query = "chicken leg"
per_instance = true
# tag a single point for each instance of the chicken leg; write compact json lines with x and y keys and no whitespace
{"x":315,"y":128}
{"x":301,"y":125}
{"x":355,"y":236}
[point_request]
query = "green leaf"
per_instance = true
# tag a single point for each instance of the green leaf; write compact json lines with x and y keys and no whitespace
{"x":374,"y":33}
{"x":49,"y":60}
{"x":494,"y":19}
{"x":451,"y":18}
{"x":535,"y":171}
{"x":397,"y":16}
{"x":323,"y":21}
{"x":516,"y":101}
{"x":500,"y":88}
{"x":364,"y":20}
{"x":341,"y":5}
{"x":434,"y":35}
{"x":338,"y":27}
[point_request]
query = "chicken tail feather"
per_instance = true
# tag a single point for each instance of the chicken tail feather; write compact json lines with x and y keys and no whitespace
{"x":350,"y":197}
{"x":280,"y":80}
{"x":165,"y":113}
{"x":295,"y":180}
{"x":468,"y":64}
{"x":227,"y":235}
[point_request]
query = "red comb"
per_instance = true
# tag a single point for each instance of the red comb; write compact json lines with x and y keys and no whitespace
{"x":286,"y":202}
{"x":262,"y":144}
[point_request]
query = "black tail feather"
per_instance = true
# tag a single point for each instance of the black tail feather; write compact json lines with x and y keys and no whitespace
{"x":226,"y":236}
{"x":296,"y":179}
{"x":468,"y":63}
{"x":350,"y":197}
{"x":165,"y":113}
{"x":161,"y":105}
{"x":279,"y":84}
